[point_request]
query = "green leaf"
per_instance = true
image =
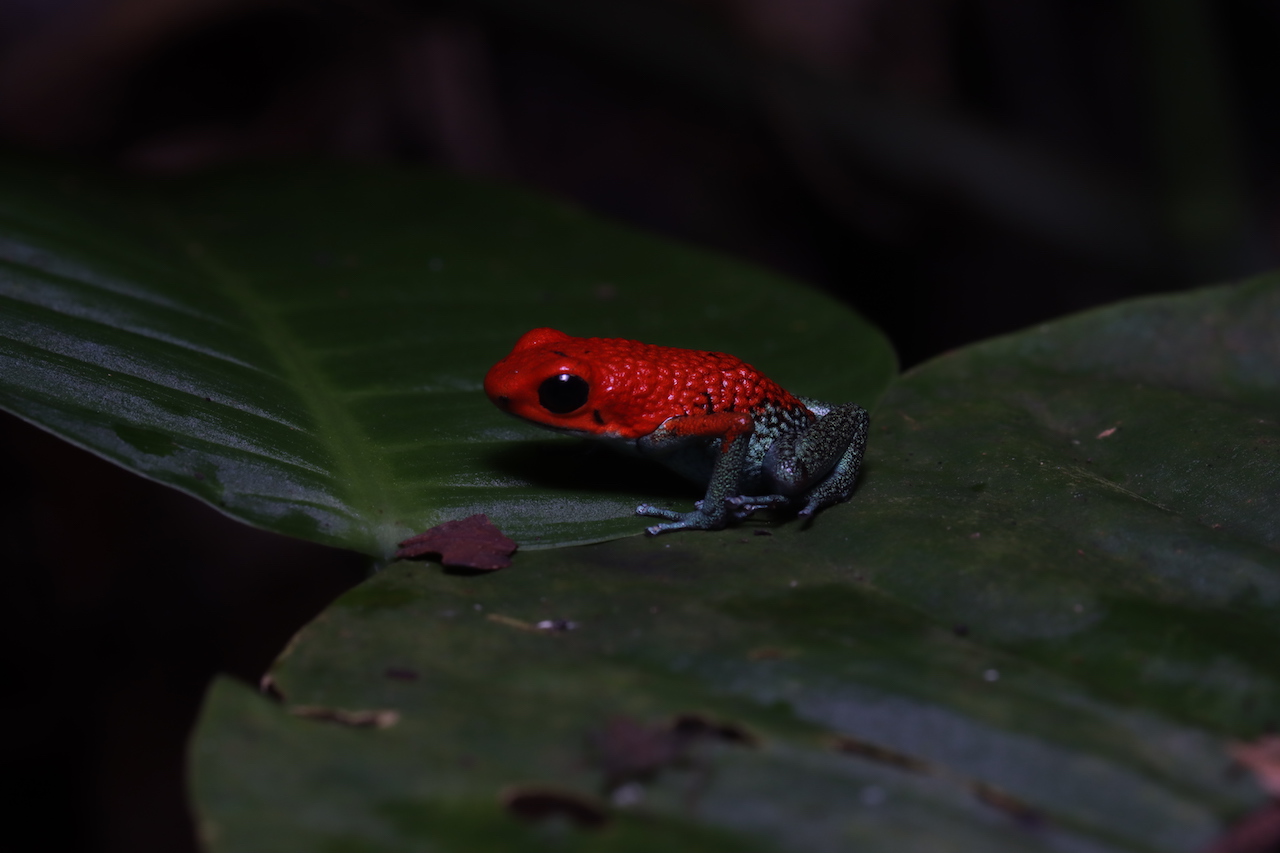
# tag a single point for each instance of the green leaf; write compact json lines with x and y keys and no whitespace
{"x":1053,"y":599}
{"x":304,"y":347}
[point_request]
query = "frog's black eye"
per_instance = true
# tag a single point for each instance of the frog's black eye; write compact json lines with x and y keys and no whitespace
{"x":563,"y":393}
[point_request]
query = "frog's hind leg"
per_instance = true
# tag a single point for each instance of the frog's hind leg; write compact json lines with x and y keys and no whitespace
{"x":819,"y":465}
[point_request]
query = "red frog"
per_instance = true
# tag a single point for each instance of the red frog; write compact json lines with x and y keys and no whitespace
{"x":707,"y":415}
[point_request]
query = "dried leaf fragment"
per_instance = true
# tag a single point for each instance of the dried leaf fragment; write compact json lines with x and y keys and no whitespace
{"x":469,"y":543}
{"x":267,"y":687}
{"x":512,"y":622}
{"x":371,"y":719}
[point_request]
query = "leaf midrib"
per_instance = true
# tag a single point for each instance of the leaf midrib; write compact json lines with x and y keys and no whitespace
{"x":358,"y":483}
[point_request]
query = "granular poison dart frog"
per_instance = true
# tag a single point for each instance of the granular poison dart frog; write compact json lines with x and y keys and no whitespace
{"x":709,"y":416}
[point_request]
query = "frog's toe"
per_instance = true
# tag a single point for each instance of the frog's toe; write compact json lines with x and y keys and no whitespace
{"x":812,"y":508}
{"x":696,"y":520}
{"x":658,"y":512}
{"x":739,"y":511}
{"x":666,"y":527}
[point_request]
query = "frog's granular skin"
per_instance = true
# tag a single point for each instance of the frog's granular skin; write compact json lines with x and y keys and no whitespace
{"x":635,"y":387}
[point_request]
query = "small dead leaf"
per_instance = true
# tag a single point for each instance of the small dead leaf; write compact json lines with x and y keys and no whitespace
{"x":469,"y":543}
{"x":371,"y":719}
{"x":535,"y":803}
{"x":1107,"y":433}
{"x":1262,"y":758}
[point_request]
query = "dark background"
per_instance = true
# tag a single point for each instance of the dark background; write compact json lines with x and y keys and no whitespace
{"x":954,"y":169}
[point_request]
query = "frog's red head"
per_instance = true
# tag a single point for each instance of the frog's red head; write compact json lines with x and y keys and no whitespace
{"x":549,"y":379}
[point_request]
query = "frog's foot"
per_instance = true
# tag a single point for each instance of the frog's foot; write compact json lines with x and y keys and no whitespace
{"x":744,"y":505}
{"x":696,"y":520}
{"x":814,"y":504}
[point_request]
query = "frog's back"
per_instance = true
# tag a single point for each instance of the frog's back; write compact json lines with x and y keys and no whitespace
{"x":679,"y":381}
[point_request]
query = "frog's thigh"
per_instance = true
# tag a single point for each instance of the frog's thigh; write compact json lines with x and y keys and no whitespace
{"x":833,"y":443}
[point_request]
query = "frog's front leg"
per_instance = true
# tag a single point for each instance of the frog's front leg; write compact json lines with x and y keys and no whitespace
{"x":818,"y":465}
{"x":712,"y":512}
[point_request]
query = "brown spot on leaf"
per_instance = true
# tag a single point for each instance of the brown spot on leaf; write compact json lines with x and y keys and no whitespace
{"x":697,"y":725}
{"x":533,"y":803}
{"x":470,"y":543}
{"x":629,"y":751}
{"x":1007,"y":803}
{"x":986,"y":793}
{"x":881,"y":755}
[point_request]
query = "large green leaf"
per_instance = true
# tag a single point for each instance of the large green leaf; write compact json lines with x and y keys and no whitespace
{"x":1054,"y":597}
{"x":304,"y":347}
